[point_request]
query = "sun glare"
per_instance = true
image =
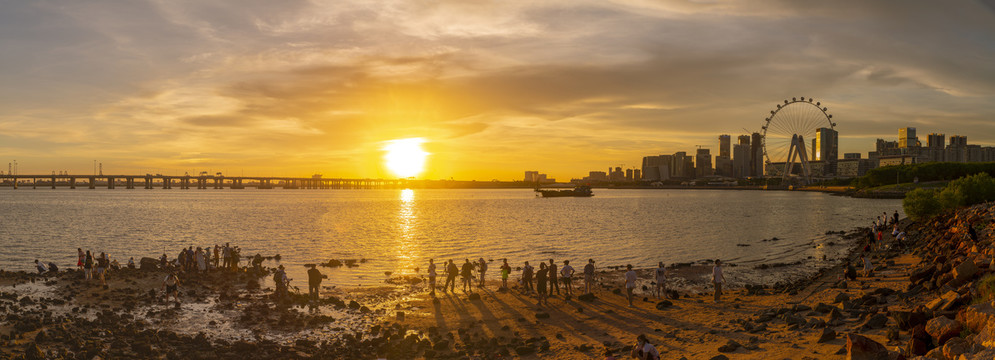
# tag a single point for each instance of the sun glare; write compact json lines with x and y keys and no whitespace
{"x":405,"y":157}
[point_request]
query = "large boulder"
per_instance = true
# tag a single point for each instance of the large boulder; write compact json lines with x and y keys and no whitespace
{"x":862,"y":348}
{"x":965,"y":270}
{"x":876,"y":321}
{"x":976,"y":317}
{"x":148,"y":264}
{"x":942,"y":329}
{"x":908,"y":319}
{"x":956,"y":346}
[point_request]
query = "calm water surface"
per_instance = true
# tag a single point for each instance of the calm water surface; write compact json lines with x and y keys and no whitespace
{"x":398,"y":230}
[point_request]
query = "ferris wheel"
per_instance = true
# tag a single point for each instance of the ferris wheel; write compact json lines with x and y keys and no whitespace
{"x":787,"y":129}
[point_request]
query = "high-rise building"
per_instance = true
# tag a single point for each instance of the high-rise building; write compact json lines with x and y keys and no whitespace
{"x":628,"y":174}
{"x":935,"y":141}
{"x":958,"y":140}
{"x":744,"y":139}
{"x":826,"y":145}
{"x":724,"y":141}
{"x":657,"y":168}
{"x":907,"y":138}
{"x":757,"y":156}
{"x":741,"y":160}
{"x":683,"y":166}
{"x":850,"y":156}
{"x":703,"y":163}
{"x":723,"y":166}
{"x":637,"y":174}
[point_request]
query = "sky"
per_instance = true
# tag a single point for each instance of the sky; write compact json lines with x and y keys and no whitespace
{"x":493,"y":88}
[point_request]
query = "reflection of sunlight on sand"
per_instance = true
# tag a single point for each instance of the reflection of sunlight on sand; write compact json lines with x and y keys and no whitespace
{"x":408,"y":250}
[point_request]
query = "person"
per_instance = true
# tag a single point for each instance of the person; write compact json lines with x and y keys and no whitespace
{"x":171,"y":286}
{"x":80,"y":257}
{"x":894,"y":230}
{"x":451,"y":272}
{"x":630,"y":283}
{"x":88,"y":266}
{"x":431,"y":276}
{"x":226,"y":253}
{"x":661,"y":281}
{"x":867,"y":264}
{"x":181,"y":258}
{"x":851,"y":272}
{"x":163,"y":261}
{"x":481,"y":268}
{"x":466,"y":274}
{"x":589,"y":276}
{"x":236,"y":256}
{"x":41,"y":267}
{"x":554,"y":283}
{"x":257,"y":262}
{"x":527,"y":277}
{"x":131,"y":262}
{"x":900,"y":238}
{"x":217,"y":256}
{"x":643,"y":350}
{"x":52,"y":268}
{"x":207,"y":257}
{"x":541,"y":279}
{"x":505,"y":271}
{"x":895,"y":216}
{"x":314,"y":281}
{"x":115,"y":265}
{"x":280,"y":279}
{"x":971,"y":233}
{"x":870,"y":239}
{"x":567,"y":273}
{"x":102,"y":264}
{"x":718,"y":279}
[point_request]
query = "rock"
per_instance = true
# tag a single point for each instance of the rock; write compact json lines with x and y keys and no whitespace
{"x":33,"y":352}
{"x":824,"y":308}
{"x":827,"y":335}
{"x":730,"y":346}
{"x":524,"y":350}
{"x":354,"y":305}
{"x":986,"y":354}
{"x":908,"y":319}
{"x":975,"y":317}
{"x":148,"y":264}
{"x":861,"y":348}
{"x":965,"y":270}
{"x":942,"y":329}
{"x":664,"y":304}
{"x":986,"y":337}
{"x":876,"y":321}
{"x":441,"y":345}
{"x":841,"y":297}
{"x":474,"y":296}
{"x":917,"y":347}
{"x":542,"y":315}
{"x":719,"y":357}
{"x":954,"y":347}
{"x":589,"y":297}
{"x":836,"y":316}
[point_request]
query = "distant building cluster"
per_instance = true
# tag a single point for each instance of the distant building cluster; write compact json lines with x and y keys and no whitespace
{"x":536,"y":177}
{"x":745,"y":159}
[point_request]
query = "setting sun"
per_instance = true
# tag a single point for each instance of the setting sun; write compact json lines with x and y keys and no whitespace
{"x":405,"y":157}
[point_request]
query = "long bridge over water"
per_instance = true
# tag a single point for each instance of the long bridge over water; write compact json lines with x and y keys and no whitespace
{"x":149,"y":181}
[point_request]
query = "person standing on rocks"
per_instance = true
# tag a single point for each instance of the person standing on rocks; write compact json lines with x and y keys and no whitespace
{"x":280,"y":279}
{"x":466,"y":274}
{"x":171,"y":286}
{"x":201,"y":260}
{"x":718,"y":279}
{"x":554,"y":283}
{"x":643,"y":350}
{"x":80,"y":257}
{"x":102,"y":264}
{"x":527,"y":277}
{"x":868,"y":266}
{"x":451,"y":272}
{"x":895,"y":216}
{"x":541,"y":278}
{"x":630,"y":283}
{"x":88,"y":266}
{"x":481,"y":268}
{"x":505,"y":271}
{"x":314,"y":282}
{"x":589,"y":276}
{"x":661,"y":281}
{"x":971,"y":232}
{"x":431,"y":277}
{"x":226,"y":253}
{"x":567,"y":273}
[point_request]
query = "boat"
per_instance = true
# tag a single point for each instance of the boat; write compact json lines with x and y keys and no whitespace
{"x":579,"y":191}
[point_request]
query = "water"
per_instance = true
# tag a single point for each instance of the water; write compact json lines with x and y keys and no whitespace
{"x":398,"y":230}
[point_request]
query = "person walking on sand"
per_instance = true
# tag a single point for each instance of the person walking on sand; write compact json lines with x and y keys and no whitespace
{"x":643,"y":350}
{"x":466,"y":275}
{"x":314,"y":282}
{"x":527,"y":277}
{"x":80,"y":257}
{"x":88,"y":266}
{"x":567,"y":273}
{"x":718,"y":279}
{"x":505,"y":271}
{"x":553,"y":281}
{"x":431,"y":277}
{"x":451,"y":272}
{"x":171,"y":286}
{"x":630,"y":283}
{"x":541,"y":279}
{"x":661,"y":281}
{"x":481,"y":268}
{"x":589,"y":276}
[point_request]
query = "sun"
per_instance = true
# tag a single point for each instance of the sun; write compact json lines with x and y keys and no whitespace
{"x":405,"y":157}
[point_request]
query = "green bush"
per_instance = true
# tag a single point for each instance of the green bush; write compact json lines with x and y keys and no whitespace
{"x":931,"y":171}
{"x":986,"y":289}
{"x":925,"y":203}
{"x":921,"y":204}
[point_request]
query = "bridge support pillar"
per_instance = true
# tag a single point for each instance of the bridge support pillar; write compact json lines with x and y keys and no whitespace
{"x":72,"y":183}
{"x":93,"y":182}
{"x":130,"y":183}
{"x":53,"y":182}
{"x":110,"y":182}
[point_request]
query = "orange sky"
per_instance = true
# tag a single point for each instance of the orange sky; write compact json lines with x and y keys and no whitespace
{"x":494,"y":88}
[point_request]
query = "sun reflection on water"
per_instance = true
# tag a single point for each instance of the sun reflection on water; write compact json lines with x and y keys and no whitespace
{"x":408,"y":250}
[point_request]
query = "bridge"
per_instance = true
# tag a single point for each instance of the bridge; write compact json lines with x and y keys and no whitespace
{"x":149,"y":181}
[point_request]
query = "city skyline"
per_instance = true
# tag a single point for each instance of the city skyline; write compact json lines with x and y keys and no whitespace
{"x":298,"y":88}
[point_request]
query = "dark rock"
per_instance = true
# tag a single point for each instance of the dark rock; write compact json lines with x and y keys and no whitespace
{"x":917,"y":347}
{"x":730,"y":346}
{"x":942,"y":329}
{"x":33,"y":352}
{"x":664,"y":304}
{"x":524,"y":350}
{"x":542,"y":315}
{"x":589,"y":297}
{"x":862,"y":348}
{"x":719,"y":357}
{"x":876,"y":321}
{"x":827,"y":335}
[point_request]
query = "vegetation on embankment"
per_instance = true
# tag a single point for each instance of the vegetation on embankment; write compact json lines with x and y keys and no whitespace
{"x":925,"y":203}
{"x":925,"y":172}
